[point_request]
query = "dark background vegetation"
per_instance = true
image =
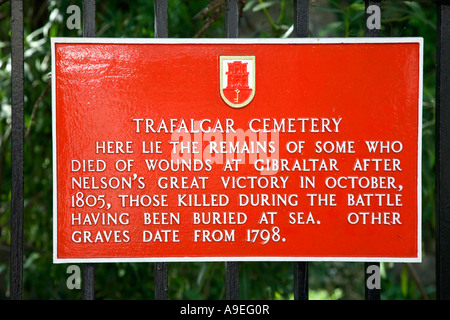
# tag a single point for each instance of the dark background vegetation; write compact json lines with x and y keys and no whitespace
{"x":258,"y":280}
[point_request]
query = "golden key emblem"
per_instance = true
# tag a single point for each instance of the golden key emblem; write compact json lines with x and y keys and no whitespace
{"x":237,"y":95}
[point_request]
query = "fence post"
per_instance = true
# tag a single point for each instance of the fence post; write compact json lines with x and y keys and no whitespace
{"x":301,"y":281}
{"x":301,"y":18}
{"x":88,"y":280}
{"x":17,"y":149}
{"x":232,"y":31}
{"x":88,"y":276}
{"x":161,"y":268}
{"x":161,"y":281}
{"x":443,"y":153}
{"x":161,"y":19}
{"x":373,"y":11}
{"x":232,"y":18}
{"x":372,"y":7}
{"x":301,"y":28}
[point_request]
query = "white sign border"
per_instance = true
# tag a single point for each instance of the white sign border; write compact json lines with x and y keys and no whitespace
{"x":75,"y":40}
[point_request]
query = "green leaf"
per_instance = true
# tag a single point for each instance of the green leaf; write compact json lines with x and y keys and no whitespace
{"x":404,"y":281}
{"x":331,"y":28}
{"x":249,"y":5}
{"x":357,"y":6}
{"x":263,"y":5}
{"x":288,"y":32}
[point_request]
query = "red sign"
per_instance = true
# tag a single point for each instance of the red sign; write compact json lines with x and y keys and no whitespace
{"x":189,"y":150}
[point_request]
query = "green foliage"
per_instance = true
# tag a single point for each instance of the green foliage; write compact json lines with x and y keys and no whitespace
{"x":115,"y":18}
{"x":281,"y":26}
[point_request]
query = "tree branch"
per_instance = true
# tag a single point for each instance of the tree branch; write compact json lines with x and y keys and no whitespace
{"x":36,"y":105}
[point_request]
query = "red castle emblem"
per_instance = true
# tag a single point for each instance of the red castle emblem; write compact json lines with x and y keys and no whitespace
{"x":237,"y":80}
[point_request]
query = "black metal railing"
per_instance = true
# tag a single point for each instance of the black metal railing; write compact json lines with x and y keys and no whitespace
{"x":301,"y":20}
{"x":443,"y":152}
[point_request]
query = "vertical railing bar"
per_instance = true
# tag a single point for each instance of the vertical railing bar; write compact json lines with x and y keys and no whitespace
{"x":17,"y":148}
{"x":161,"y":281}
{"x":232,"y":31}
{"x":161,"y":19}
{"x":88,"y":281}
{"x":372,"y":293}
{"x":232,"y":280}
{"x":301,"y":28}
{"x":443,"y":152}
{"x":372,"y":32}
{"x":232,"y":18}
{"x":89,"y":26}
{"x":89,"y":18}
{"x":161,"y":25}
{"x":301,"y":281}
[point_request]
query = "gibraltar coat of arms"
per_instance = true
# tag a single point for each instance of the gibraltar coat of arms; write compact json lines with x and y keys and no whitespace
{"x":237,"y":80}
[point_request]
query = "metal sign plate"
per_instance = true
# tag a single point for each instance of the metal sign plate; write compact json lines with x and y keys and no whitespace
{"x":206,"y":150}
